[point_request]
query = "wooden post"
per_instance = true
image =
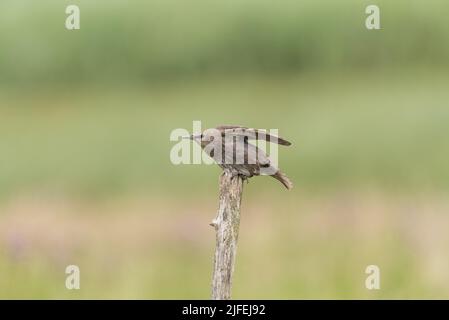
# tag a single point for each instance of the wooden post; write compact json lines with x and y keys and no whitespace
{"x":226,"y":226}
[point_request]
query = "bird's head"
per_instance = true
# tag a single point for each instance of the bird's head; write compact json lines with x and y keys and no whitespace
{"x":206,"y":137}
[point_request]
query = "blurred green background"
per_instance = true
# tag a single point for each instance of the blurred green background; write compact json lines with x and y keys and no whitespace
{"x":85,"y":173}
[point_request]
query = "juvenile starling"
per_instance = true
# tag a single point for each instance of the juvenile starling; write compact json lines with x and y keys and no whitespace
{"x":229,"y":147}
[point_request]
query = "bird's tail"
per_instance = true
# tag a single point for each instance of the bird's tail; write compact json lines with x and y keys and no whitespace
{"x":283,"y":179}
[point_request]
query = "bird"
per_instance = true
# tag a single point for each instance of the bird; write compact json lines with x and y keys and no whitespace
{"x":230,"y":148}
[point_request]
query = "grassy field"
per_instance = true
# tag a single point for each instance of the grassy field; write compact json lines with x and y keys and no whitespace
{"x":85,"y":121}
{"x":302,"y":246}
{"x":161,"y":40}
{"x":352,"y":130}
{"x":85,"y":179}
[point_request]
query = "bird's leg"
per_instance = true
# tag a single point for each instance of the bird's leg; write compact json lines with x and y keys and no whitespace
{"x":245,"y":178}
{"x":234,"y":173}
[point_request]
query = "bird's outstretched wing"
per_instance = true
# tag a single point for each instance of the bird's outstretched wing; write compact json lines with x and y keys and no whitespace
{"x":252,"y":134}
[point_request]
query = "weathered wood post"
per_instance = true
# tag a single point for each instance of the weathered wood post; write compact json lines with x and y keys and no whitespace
{"x":226,"y":226}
